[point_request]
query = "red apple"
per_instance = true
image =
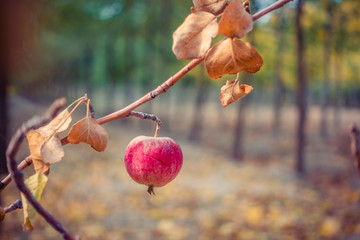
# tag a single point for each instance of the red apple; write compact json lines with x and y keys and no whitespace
{"x":153,"y":161}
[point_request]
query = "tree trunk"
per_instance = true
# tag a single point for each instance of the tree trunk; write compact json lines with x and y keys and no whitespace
{"x":301,"y":92}
{"x":326,"y":63}
{"x":337,"y":92}
{"x":197,"y":122}
{"x":240,"y":124}
{"x":279,"y":85}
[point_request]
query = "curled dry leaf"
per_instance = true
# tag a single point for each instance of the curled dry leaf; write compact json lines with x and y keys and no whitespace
{"x":212,"y":6}
{"x":193,"y":37}
{"x":87,"y":130}
{"x":235,"y":22}
{"x":36,"y":184}
{"x":59,"y":124}
{"x":51,"y":150}
{"x":231,"y":92}
{"x":36,"y":141}
{"x":232,"y":56}
{"x":44,"y":143}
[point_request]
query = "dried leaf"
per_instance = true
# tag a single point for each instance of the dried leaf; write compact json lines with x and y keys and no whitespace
{"x":36,"y":184}
{"x":232,"y":56}
{"x":212,"y":6}
{"x":44,"y":143}
{"x":52,"y":150}
{"x":59,"y":124}
{"x":235,"y":22}
{"x":231,"y":92}
{"x":36,"y":141}
{"x":87,"y":130}
{"x":193,"y":37}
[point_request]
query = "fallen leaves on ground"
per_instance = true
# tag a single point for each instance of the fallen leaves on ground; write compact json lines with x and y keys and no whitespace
{"x":212,"y":198}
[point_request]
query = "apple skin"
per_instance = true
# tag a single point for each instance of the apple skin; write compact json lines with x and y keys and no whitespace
{"x":153,"y":161}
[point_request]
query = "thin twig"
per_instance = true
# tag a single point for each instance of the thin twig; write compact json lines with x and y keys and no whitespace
{"x":147,"y":116}
{"x":15,"y":205}
{"x":153,"y":94}
{"x":22,"y":165}
{"x":17,"y":176}
{"x":355,"y":145}
{"x":270,"y":8}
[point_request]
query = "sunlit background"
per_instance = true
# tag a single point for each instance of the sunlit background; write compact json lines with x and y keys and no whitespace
{"x":239,"y":179}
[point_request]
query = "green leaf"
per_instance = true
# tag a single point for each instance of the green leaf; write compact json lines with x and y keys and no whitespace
{"x":36,"y":183}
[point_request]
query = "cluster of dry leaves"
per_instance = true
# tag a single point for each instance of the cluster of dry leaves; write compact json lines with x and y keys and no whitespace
{"x":46,"y":148}
{"x":193,"y":38}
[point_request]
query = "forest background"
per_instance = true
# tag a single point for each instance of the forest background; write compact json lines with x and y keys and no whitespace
{"x":246,"y":154}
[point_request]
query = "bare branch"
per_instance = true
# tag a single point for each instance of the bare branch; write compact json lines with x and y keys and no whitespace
{"x":15,"y":205}
{"x":148,"y":116}
{"x":151,"y":95}
{"x":24,"y":164}
{"x":17,"y":176}
{"x":270,"y":8}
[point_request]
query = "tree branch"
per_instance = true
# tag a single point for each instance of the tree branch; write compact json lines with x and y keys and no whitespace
{"x":24,"y":164}
{"x":270,"y":8}
{"x":153,"y":94}
{"x":17,"y":176}
{"x":15,"y":205}
{"x":148,"y":116}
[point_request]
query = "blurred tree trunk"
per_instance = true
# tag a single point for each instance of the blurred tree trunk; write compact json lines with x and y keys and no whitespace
{"x":301,"y":91}
{"x":4,"y":79}
{"x":279,"y":85}
{"x":88,"y":62}
{"x":240,"y":123}
{"x":326,"y":66}
{"x":337,"y":92}
{"x":201,"y":95}
{"x":111,"y":70}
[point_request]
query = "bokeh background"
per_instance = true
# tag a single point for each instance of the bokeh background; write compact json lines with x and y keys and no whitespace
{"x":274,"y":165}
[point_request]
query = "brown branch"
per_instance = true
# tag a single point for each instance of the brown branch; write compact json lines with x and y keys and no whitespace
{"x":15,"y":205}
{"x":22,"y":165}
{"x":355,"y":146}
{"x":153,"y":94}
{"x":17,"y":176}
{"x":270,"y":8}
{"x":147,"y":116}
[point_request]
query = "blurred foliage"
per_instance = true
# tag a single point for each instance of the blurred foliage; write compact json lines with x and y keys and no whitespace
{"x":91,"y":44}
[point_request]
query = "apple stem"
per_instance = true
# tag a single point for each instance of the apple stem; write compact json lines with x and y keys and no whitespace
{"x":147,"y":116}
{"x":157,"y":130}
